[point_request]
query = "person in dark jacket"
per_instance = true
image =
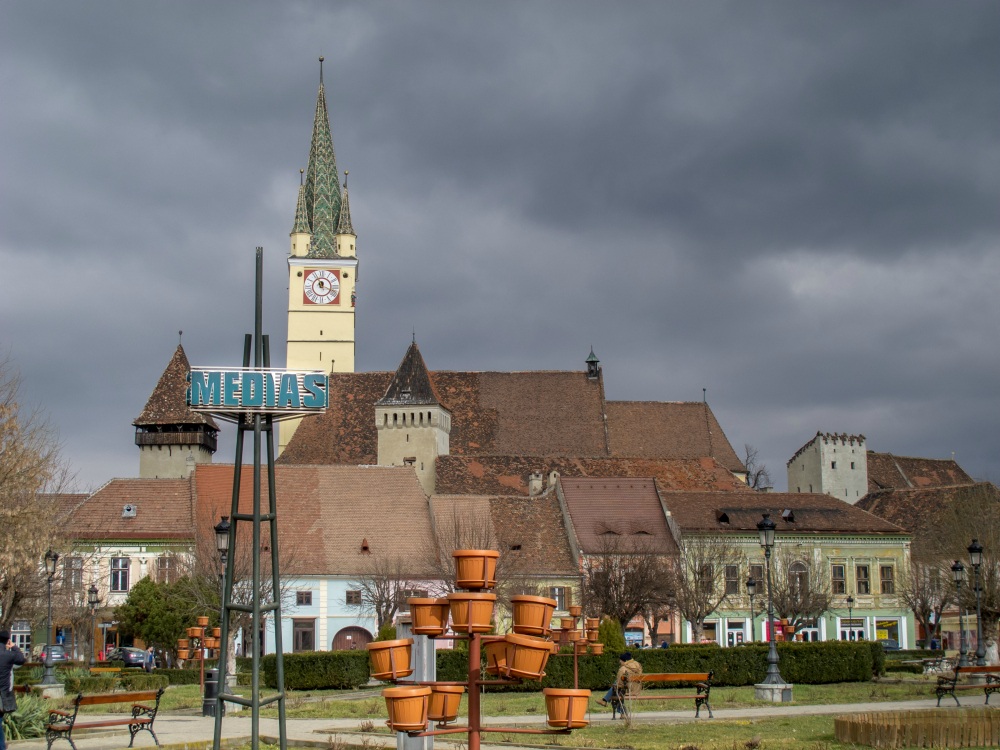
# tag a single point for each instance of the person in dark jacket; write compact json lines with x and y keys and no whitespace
{"x":10,"y":656}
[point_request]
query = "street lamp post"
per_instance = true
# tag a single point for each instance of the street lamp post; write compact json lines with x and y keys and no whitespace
{"x":976,"y":558}
{"x":766,"y":529}
{"x":222,"y":545}
{"x":751,"y":591}
{"x":49,"y":678}
{"x":958,"y":571}
{"x":850,"y":619}
{"x":93,"y":600}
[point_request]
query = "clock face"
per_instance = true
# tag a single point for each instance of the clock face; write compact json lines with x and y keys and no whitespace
{"x":321,"y":287}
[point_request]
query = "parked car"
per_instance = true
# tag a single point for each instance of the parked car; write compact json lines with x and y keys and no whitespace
{"x":888,"y":644}
{"x":133,"y":657}
{"x":58,"y":652}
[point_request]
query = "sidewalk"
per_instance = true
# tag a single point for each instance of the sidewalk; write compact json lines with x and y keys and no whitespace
{"x":182,"y":732}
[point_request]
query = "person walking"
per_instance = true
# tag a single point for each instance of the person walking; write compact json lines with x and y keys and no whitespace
{"x":150,"y":659}
{"x":10,"y":657}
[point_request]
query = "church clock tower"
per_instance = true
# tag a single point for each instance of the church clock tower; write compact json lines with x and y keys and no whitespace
{"x":322,"y":265}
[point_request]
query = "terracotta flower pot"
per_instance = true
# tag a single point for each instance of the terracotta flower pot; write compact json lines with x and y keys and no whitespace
{"x":407,"y":707}
{"x":202,"y":622}
{"x":183,"y":653}
{"x":593,"y":635}
{"x":211,"y":643}
{"x":216,"y":632}
{"x":567,"y":623}
{"x":471,"y":612}
{"x":444,"y":702}
{"x":195,"y":632}
{"x":526,"y":656}
{"x":390,"y":660}
{"x":475,"y":568}
{"x":593,"y":623}
{"x":566,"y":708}
{"x":532,"y":614}
{"x":496,"y":657}
{"x":597,"y":649}
{"x":575,"y":610}
{"x":183,"y":643}
{"x":573,"y":635}
{"x":430,"y":616}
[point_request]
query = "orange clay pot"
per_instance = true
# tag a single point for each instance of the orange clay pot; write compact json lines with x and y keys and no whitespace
{"x":202,"y":622}
{"x":593,"y":635}
{"x":532,"y":615}
{"x":471,"y":612}
{"x":526,"y":656}
{"x":597,"y":649}
{"x":216,"y":632}
{"x":183,"y":653}
{"x":566,"y":708}
{"x":593,"y":623}
{"x":196,"y":632}
{"x":430,"y":616}
{"x":496,"y":657}
{"x":390,"y":660}
{"x":407,"y":708}
{"x":475,"y":568}
{"x":444,"y":701}
{"x":567,"y":623}
{"x":183,"y":643}
{"x":575,"y":610}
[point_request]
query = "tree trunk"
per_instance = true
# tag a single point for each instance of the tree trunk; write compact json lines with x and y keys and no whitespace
{"x":697,"y":630}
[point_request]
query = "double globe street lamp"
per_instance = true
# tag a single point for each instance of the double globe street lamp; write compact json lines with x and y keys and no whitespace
{"x":751,"y":591}
{"x":93,"y":601}
{"x":976,"y":558}
{"x":766,"y":528}
{"x":49,"y":678}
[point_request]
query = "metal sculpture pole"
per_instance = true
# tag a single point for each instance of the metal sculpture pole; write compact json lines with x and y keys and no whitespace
{"x":260,"y":425}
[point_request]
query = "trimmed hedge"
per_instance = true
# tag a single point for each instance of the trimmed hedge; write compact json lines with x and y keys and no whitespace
{"x":319,"y":670}
{"x":144,"y":681}
{"x":909,"y":668}
{"x":180,"y":676}
{"x":103,"y":684}
{"x":801,"y":663}
{"x":914,"y":653}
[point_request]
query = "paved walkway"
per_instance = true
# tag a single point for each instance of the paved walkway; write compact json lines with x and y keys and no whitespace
{"x":183,"y":732}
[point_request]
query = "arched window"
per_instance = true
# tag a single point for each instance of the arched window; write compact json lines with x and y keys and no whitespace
{"x":798,"y":578}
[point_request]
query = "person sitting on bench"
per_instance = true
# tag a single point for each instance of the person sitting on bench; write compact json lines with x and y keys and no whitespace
{"x":629,"y":668}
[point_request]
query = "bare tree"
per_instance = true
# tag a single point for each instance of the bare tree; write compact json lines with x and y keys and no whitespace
{"x":655,"y":612}
{"x":928,"y":590}
{"x":697,"y":579}
{"x":624,"y":577}
{"x":33,"y":476}
{"x":800,"y":592}
{"x":383,"y":587}
{"x":758,"y":477}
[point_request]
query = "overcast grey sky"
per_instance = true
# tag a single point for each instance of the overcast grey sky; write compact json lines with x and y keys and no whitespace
{"x":793,"y":205}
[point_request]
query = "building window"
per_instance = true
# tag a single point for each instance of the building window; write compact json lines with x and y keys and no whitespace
{"x":833,"y":464}
{"x":732,"y":580}
{"x":303,"y":635}
{"x":119,"y":573}
{"x":757,"y":572}
{"x":73,"y":573}
{"x":886,"y":579}
{"x":706,"y":577}
{"x":354,"y":598}
{"x":562,"y":596}
{"x":798,"y":578}
{"x":303,"y":598}
{"x":838,"y":579}
{"x":852,"y":464}
{"x":863,"y":581}
{"x":166,"y":569}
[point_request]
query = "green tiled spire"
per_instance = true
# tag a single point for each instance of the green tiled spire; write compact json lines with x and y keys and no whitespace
{"x":301,"y":213}
{"x":344,"y":225}
{"x":322,"y":188}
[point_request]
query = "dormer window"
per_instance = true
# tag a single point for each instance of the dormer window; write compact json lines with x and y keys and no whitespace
{"x":721,"y":516}
{"x":788,"y":515}
{"x":129,"y":511}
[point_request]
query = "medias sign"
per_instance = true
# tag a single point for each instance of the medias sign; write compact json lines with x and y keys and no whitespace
{"x":251,"y":390}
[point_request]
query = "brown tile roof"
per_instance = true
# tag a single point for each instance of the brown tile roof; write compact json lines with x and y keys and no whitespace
{"x":813,"y":513}
{"x":167,"y":405}
{"x":886,"y":470}
{"x":653,"y":429}
{"x":508,"y":475}
{"x":163,"y":510}
{"x":916,"y":510}
{"x":625,"y":510}
{"x":326,"y":513}
{"x":532,"y":525}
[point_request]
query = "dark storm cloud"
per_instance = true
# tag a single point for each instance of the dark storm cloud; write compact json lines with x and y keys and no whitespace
{"x":792,"y":205}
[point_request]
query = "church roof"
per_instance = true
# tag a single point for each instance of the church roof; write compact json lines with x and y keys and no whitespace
{"x":917,"y":509}
{"x":411,"y":384}
{"x":167,"y":405}
{"x":344,"y":225}
{"x":886,"y":470}
{"x":740,"y":511}
{"x":322,"y":186}
{"x":508,"y":475}
{"x":617,"y":515}
{"x":301,"y":213}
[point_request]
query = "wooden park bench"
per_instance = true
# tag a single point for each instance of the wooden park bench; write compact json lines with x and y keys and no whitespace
{"x":62,"y":723}
{"x":948,"y":684}
{"x":105,"y":670}
{"x":702,"y":682}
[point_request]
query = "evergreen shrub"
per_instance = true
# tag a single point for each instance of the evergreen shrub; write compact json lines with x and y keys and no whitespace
{"x":144,"y":681}
{"x":610,"y":634}
{"x":319,"y":670}
{"x":99,"y":684}
{"x":181,"y":676}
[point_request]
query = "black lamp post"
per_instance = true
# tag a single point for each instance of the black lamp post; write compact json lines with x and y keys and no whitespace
{"x":49,"y":678}
{"x":766,"y":529}
{"x":752,"y":591}
{"x":222,"y":544}
{"x":93,"y":600}
{"x":976,"y":558}
{"x":958,"y":571}
{"x":850,"y":619}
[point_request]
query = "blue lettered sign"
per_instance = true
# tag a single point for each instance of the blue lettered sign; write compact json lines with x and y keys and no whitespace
{"x":263,"y":391}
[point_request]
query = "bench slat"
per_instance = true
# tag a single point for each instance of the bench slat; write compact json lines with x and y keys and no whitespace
{"x":95,"y":700}
{"x":92,"y":724}
{"x":674,"y":677}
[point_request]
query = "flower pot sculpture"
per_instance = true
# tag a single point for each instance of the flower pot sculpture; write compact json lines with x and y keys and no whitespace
{"x":430,"y":616}
{"x":407,"y":708}
{"x":390,"y":660}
